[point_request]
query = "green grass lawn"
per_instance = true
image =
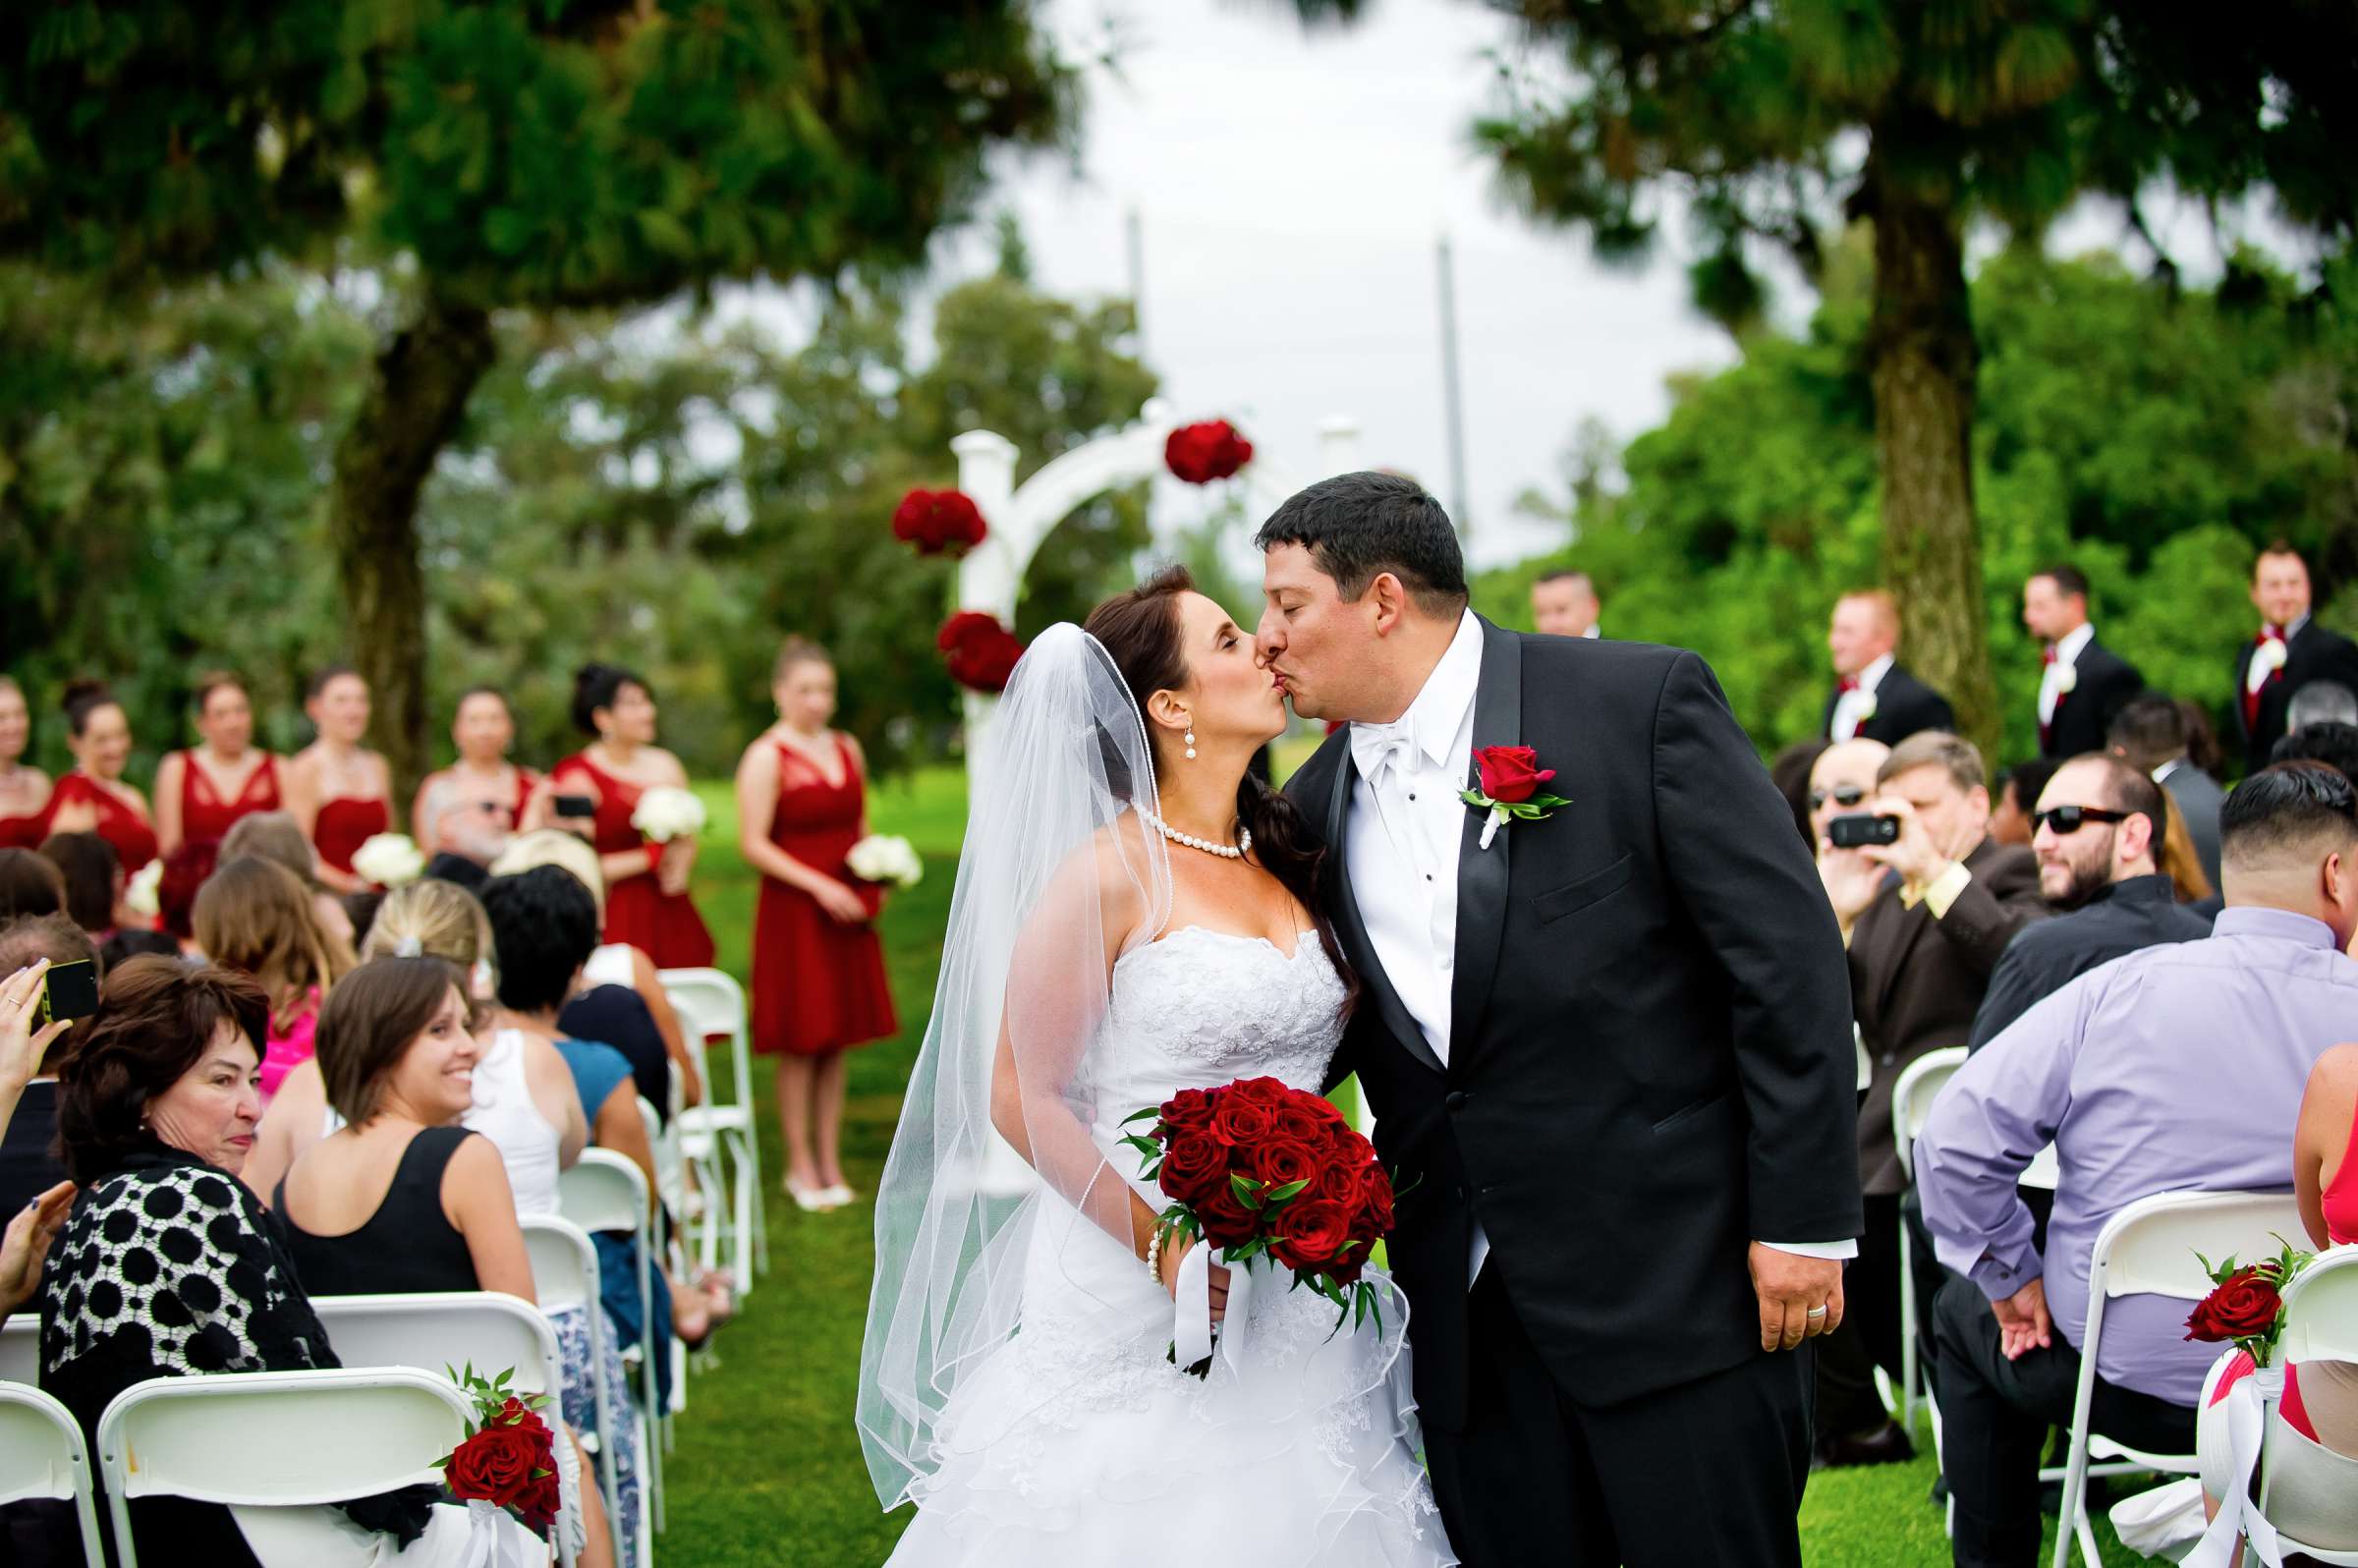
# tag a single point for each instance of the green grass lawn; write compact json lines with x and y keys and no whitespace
{"x":768,"y":1471}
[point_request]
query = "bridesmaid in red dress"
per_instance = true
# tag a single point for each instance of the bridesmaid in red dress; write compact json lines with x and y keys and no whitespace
{"x":23,"y":789}
{"x":474,"y":805}
{"x":340,"y":792}
{"x":202,"y":792}
{"x":647,"y":906}
{"x":93,"y":798}
{"x":817,"y":966}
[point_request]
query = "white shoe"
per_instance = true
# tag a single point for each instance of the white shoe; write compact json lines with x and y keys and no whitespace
{"x":810,"y":1199}
{"x":836,"y":1197}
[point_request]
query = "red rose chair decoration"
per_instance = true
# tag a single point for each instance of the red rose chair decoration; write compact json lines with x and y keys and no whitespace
{"x":939,"y":522}
{"x":1203,"y":453}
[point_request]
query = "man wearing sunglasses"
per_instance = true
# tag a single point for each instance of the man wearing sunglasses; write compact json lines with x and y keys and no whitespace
{"x":1841,"y":783}
{"x":2096,"y":833}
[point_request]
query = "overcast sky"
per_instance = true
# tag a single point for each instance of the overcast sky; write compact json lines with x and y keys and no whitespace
{"x":1290,"y":189}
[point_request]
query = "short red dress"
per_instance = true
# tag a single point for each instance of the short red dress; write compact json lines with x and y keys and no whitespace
{"x":819,"y":986}
{"x":666,"y":926}
{"x":118,"y":824}
{"x":344,"y":824}
{"x":23,"y":832}
{"x":203,"y":814}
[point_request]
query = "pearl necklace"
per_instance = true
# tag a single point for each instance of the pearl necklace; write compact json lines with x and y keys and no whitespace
{"x":1227,"y":852}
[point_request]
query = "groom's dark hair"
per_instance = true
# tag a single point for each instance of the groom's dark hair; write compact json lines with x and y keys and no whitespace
{"x":1359,"y":525}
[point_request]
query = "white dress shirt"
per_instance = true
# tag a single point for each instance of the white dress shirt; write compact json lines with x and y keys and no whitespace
{"x":1854,"y":708}
{"x":2067,"y":655}
{"x":1401,"y":848}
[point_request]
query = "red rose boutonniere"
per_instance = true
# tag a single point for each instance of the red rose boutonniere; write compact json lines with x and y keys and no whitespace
{"x":1511,"y":777}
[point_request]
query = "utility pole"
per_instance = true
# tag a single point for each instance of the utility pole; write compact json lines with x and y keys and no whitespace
{"x":1452,"y":402}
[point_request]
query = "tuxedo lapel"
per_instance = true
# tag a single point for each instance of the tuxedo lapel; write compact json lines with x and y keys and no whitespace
{"x":1352,"y":928}
{"x":1481,"y":874}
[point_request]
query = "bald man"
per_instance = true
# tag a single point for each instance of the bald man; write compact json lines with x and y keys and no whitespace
{"x":1874,"y":695}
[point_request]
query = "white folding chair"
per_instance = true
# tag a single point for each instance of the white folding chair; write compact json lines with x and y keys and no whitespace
{"x":1911,"y":1107}
{"x":334,"y":1435}
{"x":2147,"y":1248}
{"x":42,"y":1455}
{"x":564,"y":1276}
{"x":605,"y":1191}
{"x":2309,"y":1493}
{"x":435,"y":1331}
{"x":710,"y":1002}
{"x":21,"y":1349}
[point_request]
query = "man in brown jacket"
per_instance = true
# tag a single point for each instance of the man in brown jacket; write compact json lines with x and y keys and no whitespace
{"x":1930,"y":923}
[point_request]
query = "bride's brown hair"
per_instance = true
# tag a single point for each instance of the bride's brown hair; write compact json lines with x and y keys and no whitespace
{"x":1140,"y":629}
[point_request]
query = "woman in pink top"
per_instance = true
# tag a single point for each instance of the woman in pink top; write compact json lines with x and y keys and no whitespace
{"x":255,"y":916}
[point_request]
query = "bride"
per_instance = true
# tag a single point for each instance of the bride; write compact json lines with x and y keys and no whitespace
{"x":1133,"y":915}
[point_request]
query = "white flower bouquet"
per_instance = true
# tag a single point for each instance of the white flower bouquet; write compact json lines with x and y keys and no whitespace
{"x":141,"y":893}
{"x":885,"y":857}
{"x":388,"y":860}
{"x":667,"y":812}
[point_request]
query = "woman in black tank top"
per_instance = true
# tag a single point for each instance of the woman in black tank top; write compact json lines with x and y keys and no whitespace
{"x":407,"y":1246}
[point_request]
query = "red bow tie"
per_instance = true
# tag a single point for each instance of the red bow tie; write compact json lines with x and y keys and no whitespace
{"x":1850,"y":683}
{"x":2269,"y":634}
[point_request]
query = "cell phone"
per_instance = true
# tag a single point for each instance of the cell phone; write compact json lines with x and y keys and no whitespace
{"x":1858,"y":829}
{"x":68,"y":990}
{"x":573,"y":806}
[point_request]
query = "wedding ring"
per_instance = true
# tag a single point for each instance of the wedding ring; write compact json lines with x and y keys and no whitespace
{"x":1813,"y":1313}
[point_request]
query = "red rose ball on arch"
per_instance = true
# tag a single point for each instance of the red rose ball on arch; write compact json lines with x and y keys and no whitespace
{"x":1203,"y":452}
{"x":939,"y":522}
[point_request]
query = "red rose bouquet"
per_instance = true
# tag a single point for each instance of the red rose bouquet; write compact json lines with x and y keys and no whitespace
{"x":509,"y":1460}
{"x":980,"y":651}
{"x":1260,"y":1170}
{"x":1205,"y":452}
{"x":939,"y":522}
{"x":2246,"y":1305}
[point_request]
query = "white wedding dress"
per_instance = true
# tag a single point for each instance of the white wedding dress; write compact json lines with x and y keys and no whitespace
{"x":1076,"y":1444}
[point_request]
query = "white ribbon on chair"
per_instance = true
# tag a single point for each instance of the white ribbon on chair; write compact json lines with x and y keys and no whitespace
{"x":490,"y":1538}
{"x":1191,"y":1328}
{"x":2246,"y":1410}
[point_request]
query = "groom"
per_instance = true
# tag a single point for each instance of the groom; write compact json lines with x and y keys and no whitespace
{"x":1609,"y":1054}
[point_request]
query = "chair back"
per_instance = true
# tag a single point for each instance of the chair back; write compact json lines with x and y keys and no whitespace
{"x":435,"y":1331}
{"x":333,"y":1434}
{"x":605,"y":1191}
{"x":711,"y":1002}
{"x":42,"y":1455}
{"x":1912,"y":1098}
{"x":2310,"y":1491}
{"x":2148,"y":1247}
{"x":564,"y":1263}
{"x":21,"y":1349}
{"x":2321,"y":1310}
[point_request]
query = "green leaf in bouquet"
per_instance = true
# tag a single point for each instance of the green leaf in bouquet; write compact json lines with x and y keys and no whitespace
{"x":1248,"y":1191}
{"x":1154,"y":1111}
{"x":1374,"y":1307}
{"x":1286,"y":1194}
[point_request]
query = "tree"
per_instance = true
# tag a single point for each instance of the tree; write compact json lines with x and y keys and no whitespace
{"x":528,"y":154}
{"x":1920,"y":118}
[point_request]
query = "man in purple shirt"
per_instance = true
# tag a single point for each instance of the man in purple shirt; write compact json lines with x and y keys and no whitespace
{"x":2176,"y":1069}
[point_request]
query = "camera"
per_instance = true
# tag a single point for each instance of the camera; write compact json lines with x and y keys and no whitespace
{"x":1850,"y":832}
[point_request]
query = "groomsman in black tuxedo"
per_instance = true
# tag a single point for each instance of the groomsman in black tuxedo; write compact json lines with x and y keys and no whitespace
{"x":1608,"y":1045}
{"x":1875,"y":698}
{"x":2083,"y":685}
{"x":2290,"y":652}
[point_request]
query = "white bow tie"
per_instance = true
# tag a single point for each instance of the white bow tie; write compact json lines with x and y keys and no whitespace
{"x":1375,"y":746}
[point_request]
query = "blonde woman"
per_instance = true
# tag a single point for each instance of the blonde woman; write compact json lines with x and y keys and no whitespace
{"x":253,"y":916}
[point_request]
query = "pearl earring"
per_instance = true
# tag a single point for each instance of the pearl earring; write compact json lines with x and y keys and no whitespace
{"x":1191,"y":745}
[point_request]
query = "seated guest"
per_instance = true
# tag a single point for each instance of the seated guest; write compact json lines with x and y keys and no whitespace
{"x":122,"y":946}
{"x":469,"y":809}
{"x":168,"y":1267}
{"x":2099,"y":824}
{"x":29,"y":949}
{"x":1789,"y":772}
{"x":2018,"y":790}
{"x":30,"y":884}
{"x":2151,"y":734}
{"x":2334,"y":745}
{"x":613,"y":964}
{"x":2176,"y":1069}
{"x":254,"y":918}
{"x":93,"y":878}
{"x":186,"y":869}
{"x":275,"y":836}
{"x":2321,"y":702}
{"x":1922,"y":952}
{"x":2179,"y":860}
{"x":1841,"y":783}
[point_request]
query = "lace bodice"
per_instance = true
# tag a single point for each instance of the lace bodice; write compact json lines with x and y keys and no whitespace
{"x":1199,"y":1008}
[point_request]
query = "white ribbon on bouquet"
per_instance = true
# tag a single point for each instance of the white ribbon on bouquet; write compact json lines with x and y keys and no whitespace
{"x":1191,"y":1329}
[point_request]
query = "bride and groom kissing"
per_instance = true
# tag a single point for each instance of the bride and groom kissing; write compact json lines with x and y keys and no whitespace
{"x":1606,"y":1043}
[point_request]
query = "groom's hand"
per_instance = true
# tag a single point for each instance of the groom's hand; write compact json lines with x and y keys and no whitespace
{"x":1789,"y":1286}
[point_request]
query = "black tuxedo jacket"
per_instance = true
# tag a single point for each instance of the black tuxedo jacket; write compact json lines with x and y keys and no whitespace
{"x":2311,"y":654}
{"x":2107,"y":684}
{"x":1904,"y":705}
{"x":1649,"y":1060}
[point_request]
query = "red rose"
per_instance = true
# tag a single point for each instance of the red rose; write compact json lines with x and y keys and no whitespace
{"x":1336,"y":1182}
{"x":1345,"y":1272}
{"x":1280,"y":1160}
{"x":1371,"y":1210}
{"x":1205,"y":452}
{"x":1225,"y":1221}
{"x":981,"y":652}
{"x":1311,"y":1233}
{"x":2242,"y":1305}
{"x":496,"y":1463}
{"x":1297,"y":1122}
{"x":1241,"y":1120}
{"x":1270,"y":1092}
{"x":1510,"y":773}
{"x":936,"y":521}
{"x":1194,"y":1166}
{"x":1189,"y":1110}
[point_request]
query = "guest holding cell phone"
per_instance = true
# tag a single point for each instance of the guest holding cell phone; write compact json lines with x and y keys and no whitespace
{"x":474,"y":805}
{"x":54,"y":969}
